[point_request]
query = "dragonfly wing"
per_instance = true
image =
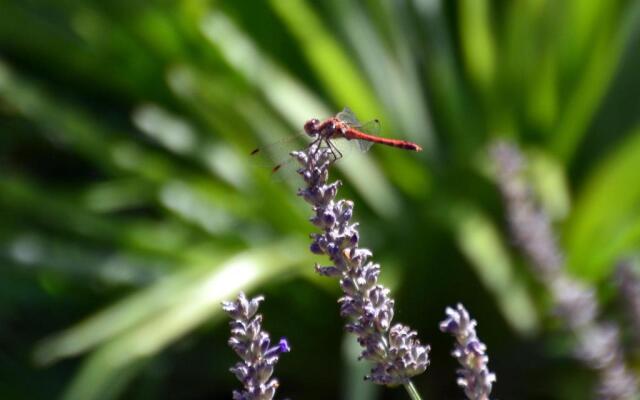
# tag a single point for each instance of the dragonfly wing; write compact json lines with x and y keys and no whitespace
{"x":346,"y":115}
{"x":276,"y":153}
{"x":286,"y":171}
{"x":364,"y":145}
{"x":371,"y":127}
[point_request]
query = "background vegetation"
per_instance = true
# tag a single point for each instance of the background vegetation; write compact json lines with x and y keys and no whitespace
{"x":129,"y":207}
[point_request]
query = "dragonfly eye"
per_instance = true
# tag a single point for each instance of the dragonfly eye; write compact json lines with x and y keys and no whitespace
{"x":310,"y":127}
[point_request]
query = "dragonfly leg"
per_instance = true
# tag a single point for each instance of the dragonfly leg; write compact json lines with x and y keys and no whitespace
{"x":322,"y":143}
{"x":334,"y":150}
{"x":315,"y":143}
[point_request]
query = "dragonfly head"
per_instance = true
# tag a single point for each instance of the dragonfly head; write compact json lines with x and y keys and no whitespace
{"x":311,"y":126}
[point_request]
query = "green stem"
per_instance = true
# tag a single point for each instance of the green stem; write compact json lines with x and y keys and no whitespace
{"x":413,"y":393}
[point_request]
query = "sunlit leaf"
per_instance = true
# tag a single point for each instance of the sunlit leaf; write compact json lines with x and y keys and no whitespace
{"x":606,"y":211}
{"x":482,"y":244}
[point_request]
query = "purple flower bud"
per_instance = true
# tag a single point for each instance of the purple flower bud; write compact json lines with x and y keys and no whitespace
{"x":328,"y":218}
{"x":331,"y":271}
{"x":333,"y":249}
{"x":354,"y":238}
{"x":315,"y":248}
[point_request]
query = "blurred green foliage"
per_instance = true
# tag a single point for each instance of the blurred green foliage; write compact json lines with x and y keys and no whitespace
{"x":130,"y":207}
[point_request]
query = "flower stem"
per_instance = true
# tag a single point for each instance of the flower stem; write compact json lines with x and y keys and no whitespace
{"x":413,"y":393}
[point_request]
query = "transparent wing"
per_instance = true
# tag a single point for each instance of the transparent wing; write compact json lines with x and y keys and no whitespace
{"x":272,"y":154}
{"x":364,"y":145}
{"x":275,"y":158}
{"x":346,"y":115}
{"x":371,"y":128}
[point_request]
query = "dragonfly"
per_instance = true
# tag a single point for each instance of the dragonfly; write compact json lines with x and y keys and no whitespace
{"x":344,"y":125}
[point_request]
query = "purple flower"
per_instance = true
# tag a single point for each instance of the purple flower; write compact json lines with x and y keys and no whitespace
{"x":474,"y":377}
{"x":253,"y":346}
{"x":597,"y":343}
{"x":394,"y":350}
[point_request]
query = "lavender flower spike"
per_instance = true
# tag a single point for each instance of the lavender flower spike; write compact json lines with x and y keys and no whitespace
{"x":597,"y":342}
{"x":395,"y":351}
{"x":474,"y":376}
{"x":252,"y":344}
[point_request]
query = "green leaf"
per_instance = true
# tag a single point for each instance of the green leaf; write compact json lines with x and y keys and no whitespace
{"x":481,"y":242}
{"x":478,"y":45}
{"x":327,"y":57}
{"x":606,"y":211}
{"x":142,"y":325}
{"x":602,"y":56}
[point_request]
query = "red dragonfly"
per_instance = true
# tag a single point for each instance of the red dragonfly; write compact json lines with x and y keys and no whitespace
{"x":344,"y":125}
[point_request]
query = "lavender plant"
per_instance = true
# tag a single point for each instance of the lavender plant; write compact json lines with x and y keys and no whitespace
{"x":597,"y":342}
{"x":474,"y":376}
{"x":395,"y":350}
{"x":253,"y":346}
